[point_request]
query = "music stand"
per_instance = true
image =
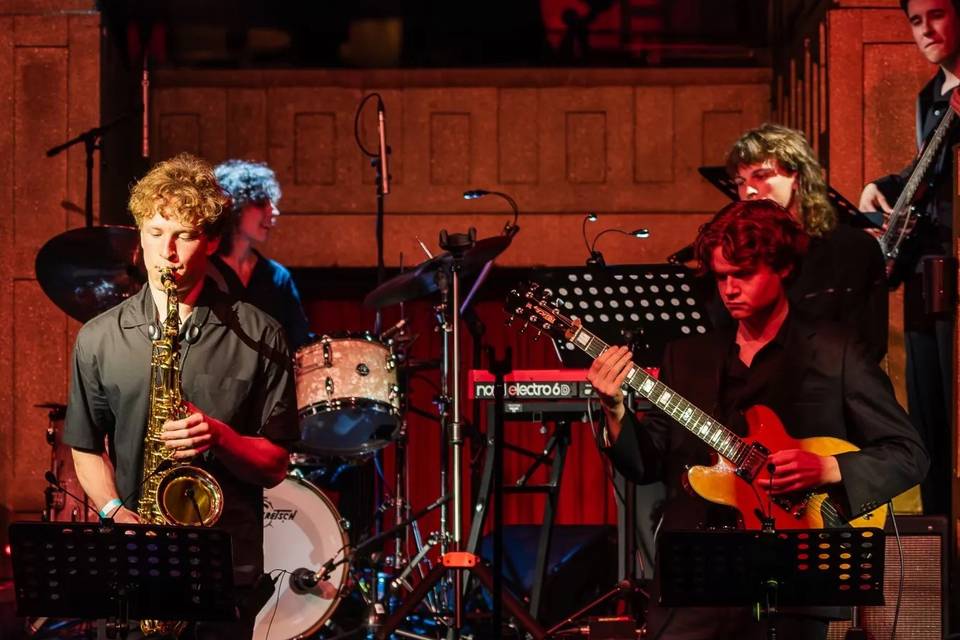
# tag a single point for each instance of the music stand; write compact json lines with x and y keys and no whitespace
{"x":818,"y":567}
{"x":644,"y":305}
{"x":122,"y":571}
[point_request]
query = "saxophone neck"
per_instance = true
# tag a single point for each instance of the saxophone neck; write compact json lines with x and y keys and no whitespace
{"x":172,"y":322}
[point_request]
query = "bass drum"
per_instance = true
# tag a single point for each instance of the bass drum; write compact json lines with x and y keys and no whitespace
{"x":301,"y":528}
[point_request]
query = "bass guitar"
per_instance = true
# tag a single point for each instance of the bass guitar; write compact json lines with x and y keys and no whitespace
{"x":737,"y":461}
{"x":902,"y":221}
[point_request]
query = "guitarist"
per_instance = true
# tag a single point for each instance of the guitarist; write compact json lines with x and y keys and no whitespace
{"x":816,"y":377}
{"x":928,"y":341}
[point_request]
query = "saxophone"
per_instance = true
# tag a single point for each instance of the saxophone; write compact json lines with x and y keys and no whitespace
{"x":174,"y":492}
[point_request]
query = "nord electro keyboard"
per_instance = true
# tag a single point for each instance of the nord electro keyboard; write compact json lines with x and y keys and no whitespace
{"x":533,"y":384}
{"x":537,"y":392}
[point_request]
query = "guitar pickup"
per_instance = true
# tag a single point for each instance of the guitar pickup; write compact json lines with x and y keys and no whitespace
{"x":753,"y":462}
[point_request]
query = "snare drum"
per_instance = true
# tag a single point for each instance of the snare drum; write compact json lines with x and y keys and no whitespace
{"x":301,"y":528}
{"x":347,"y":395}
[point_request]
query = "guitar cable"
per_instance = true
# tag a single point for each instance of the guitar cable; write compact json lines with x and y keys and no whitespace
{"x":896,"y":533}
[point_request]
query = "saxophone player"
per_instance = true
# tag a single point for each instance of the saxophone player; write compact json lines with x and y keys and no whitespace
{"x":237,"y":383}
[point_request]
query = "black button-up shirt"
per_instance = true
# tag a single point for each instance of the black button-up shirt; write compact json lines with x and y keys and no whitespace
{"x":238,"y":370}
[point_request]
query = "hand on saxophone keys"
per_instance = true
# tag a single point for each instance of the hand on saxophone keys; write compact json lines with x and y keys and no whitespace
{"x":191,"y":436}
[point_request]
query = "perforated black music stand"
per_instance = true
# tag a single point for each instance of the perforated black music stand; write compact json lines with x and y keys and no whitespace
{"x":122,"y":571}
{"x":644,"y":305}
{"x":820,"y":567}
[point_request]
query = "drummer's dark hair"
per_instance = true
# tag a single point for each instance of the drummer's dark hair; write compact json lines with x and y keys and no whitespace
{"x":246,"y":183}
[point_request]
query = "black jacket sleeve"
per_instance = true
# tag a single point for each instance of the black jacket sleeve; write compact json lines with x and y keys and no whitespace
{"x":892,"y":457}
{"x":642,"y":446}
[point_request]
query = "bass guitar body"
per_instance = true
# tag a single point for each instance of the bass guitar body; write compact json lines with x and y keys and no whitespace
{"x":721,"y":484}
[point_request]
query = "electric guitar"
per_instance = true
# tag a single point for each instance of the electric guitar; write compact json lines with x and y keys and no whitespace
{"x":738,"y":462}
{"x":902,"y":254}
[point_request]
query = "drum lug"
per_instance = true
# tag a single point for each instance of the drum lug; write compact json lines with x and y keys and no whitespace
{"x":391,"y":363}
{"x":328,"y":385}
{"x":394,"y":392}
{"x":327,"y":355}
{"x":344,"y":524}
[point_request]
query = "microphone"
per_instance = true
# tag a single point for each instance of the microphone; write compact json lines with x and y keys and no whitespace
{"x":303,"y":580}
{"x":52,"y":478}
{"x":384,"y":149}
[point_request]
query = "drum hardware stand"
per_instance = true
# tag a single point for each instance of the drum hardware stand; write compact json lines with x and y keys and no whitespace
{"x":455,"y":561}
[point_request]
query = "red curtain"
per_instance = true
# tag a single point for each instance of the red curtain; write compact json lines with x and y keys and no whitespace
{"x":586,"y":495}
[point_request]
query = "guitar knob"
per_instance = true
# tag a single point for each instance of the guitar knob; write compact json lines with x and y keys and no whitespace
{"x":537,"y":337}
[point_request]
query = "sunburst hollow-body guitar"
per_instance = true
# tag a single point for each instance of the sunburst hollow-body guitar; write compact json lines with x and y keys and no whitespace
{"x":738,"y":462}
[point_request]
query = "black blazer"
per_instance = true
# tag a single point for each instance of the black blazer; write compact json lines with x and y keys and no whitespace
{"x":831,"y":388}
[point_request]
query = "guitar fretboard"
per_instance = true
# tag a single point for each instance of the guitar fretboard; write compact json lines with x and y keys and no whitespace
{"x":715,"y":435}
{"x":896,"y":225}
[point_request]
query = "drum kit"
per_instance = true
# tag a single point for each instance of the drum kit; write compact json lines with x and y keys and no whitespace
{"x":351,"y":404}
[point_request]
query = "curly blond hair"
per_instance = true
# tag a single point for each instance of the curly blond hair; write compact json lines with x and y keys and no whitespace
{"x":186,"y":184}
{"x":790,"y":149}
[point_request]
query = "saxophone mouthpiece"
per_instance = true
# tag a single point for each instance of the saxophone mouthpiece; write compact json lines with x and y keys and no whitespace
{"x":168,"y":277}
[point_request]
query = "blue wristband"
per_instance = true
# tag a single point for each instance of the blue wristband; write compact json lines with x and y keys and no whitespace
{"x":107,"y":510}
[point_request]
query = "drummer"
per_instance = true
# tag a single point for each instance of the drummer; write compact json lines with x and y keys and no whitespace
{"x":237,"y":267}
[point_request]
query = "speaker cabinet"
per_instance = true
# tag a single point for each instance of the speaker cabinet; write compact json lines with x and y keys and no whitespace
{"x":923,"y":607}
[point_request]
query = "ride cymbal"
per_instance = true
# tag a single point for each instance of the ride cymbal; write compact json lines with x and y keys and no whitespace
{"x":426,"y":277}
{"x":86,"y":271}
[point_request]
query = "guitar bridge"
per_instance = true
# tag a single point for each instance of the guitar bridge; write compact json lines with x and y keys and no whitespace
{"x":753,"y":462}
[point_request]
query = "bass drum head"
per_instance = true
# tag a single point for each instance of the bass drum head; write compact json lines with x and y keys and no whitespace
{"x":301,"y":528}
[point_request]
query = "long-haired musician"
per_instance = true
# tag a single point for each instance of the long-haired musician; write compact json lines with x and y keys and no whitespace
{"x":928,"y":339}
{"x":842,"y":277}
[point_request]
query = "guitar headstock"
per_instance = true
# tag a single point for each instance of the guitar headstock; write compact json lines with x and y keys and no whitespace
{"x":536,"y":306}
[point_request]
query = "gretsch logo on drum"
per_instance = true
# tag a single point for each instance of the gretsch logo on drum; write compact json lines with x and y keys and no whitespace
{"x":271,"y":514}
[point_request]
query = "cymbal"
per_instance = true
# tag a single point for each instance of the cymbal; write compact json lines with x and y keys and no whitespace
{"x":86,"y":271}
{"x":422,"y":280}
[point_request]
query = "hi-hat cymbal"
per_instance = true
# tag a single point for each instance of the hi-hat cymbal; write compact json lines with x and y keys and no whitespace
{"x":86,"y":271}
{"x":423,"y":279}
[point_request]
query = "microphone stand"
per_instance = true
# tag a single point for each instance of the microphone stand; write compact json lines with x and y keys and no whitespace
{"x":91,"y":142}
{"x":302,"y":580}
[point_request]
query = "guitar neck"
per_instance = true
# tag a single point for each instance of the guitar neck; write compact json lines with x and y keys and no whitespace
{"x":696,"y":421}
{"x":889,"y":241}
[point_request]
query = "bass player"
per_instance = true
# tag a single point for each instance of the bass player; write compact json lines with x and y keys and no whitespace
{"x":816,"y":377}
{"x":928,"y":340}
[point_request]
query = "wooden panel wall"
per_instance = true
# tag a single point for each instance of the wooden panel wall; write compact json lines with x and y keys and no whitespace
{"x":623,"y":143}
{"x":49,"y":92}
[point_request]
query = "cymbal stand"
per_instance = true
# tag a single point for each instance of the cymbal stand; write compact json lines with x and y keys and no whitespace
{"x":455,"y":561}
